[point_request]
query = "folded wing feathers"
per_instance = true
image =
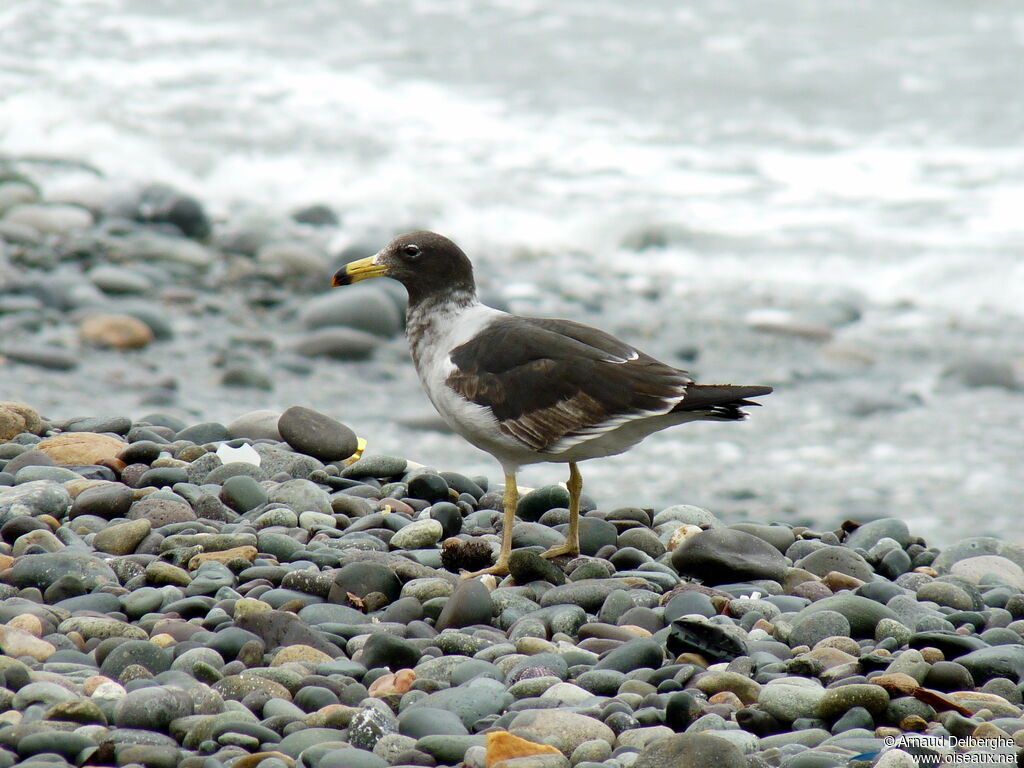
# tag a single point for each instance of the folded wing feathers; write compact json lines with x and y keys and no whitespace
{"x":551,"y":382}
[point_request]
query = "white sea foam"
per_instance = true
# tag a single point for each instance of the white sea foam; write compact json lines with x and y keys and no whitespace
{"x":236,"y":104}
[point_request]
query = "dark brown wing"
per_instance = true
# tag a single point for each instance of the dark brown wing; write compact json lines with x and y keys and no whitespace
{"x":555,"y":381}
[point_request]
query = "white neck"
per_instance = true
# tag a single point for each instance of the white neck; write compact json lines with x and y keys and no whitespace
{"x":436,"y":327}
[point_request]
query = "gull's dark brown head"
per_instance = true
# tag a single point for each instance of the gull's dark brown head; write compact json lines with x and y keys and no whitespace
{"x":426,"y":263}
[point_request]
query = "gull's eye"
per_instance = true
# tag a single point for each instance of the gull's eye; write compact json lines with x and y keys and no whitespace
{"x":411,"y":250}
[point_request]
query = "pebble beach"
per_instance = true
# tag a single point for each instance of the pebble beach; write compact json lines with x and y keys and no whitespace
{"x":244,"y":595}
{"x":271,"y":591}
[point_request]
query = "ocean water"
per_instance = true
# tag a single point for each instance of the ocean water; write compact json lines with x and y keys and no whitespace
{"x":662,"y":169}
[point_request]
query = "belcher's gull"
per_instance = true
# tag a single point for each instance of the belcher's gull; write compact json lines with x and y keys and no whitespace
{"x":529,"y":390}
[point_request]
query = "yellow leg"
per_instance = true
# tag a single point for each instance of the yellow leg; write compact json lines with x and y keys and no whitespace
{"x":572,"y":539}
{"x":510,"y":502}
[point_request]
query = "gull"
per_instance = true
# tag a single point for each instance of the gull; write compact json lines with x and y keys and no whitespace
{"x":530,"y":390}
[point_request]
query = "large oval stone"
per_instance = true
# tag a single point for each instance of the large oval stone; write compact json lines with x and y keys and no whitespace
{"x":42,"y":570}
{"x":316,"y":434}
{"x":81,"y":448}
{"x":723,"y":556}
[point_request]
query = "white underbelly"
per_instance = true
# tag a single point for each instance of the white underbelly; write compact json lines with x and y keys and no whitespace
{"x":618,"y":440}
{"x":477,"y":425}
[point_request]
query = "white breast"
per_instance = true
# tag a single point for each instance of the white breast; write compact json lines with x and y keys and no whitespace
{"x":432,"y":336}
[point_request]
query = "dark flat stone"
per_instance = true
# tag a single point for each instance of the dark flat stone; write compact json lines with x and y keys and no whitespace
{"x":722,"y":555}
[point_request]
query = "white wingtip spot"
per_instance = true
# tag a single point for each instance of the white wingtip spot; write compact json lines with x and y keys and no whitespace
{"x":623,"y":360}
